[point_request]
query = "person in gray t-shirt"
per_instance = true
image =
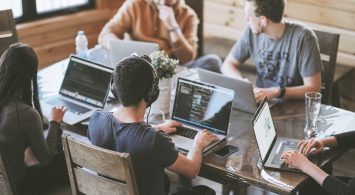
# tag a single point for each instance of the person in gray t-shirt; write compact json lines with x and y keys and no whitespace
{"x":286,"y":54}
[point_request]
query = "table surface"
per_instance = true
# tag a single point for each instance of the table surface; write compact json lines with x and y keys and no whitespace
{"x":240,"y":167}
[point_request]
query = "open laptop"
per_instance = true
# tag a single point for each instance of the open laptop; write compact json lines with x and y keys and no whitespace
{"x":200,"y":106}
{"x":244,"y":98}
{"x":84,"y":89}
{"x":120,"y":49}
{"x":270,"y":145}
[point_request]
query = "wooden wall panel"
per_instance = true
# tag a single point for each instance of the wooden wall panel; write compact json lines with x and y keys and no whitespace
{"x":53,"y":38}
{"x":225,"y":18}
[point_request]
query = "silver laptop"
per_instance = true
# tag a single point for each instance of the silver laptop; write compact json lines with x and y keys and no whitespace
{"x":120,"y":49}
{"x":270,"y":145}
{"x":84,"y":90}
{"x":244,"y":98}
{"x":200,"y":106}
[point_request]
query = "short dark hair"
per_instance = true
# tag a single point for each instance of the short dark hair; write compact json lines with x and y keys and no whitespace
{"x":18,"y":75}
{"x":272,"y":9}
{"x":132,"y":79}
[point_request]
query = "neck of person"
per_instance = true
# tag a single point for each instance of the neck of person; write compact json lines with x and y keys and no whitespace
{"x":131,"y":114}
{"x":275,"y":30}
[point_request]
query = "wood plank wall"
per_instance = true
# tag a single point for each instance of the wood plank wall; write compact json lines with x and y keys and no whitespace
{"x":53,"y":38}
{"x":225,"y":19}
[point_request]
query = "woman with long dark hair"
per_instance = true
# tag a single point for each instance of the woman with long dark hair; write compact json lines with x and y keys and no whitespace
{"x":21,"y":125}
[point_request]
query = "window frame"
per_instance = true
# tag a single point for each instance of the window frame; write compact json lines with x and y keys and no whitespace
{"x":30,"y":11}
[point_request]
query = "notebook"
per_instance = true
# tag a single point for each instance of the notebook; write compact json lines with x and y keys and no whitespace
{"x":84,"y":90}
{"x":200,"y":106}
{"x":270,"y":145}
{"x":244,"y":98}
{"x":120,"y":49}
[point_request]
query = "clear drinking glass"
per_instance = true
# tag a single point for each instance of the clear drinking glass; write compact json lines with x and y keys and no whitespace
{"x":312,"y":103}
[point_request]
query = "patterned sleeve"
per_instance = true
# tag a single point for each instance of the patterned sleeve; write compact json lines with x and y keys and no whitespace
{"x":164,"y":151}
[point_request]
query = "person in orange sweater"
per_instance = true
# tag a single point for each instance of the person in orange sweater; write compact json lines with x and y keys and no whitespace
{"x":170,"y":23}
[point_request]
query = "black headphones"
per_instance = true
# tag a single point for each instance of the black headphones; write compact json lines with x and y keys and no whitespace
{"x":152,"y":92}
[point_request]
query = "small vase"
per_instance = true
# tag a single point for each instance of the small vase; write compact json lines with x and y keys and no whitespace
{"x":162,"y":105}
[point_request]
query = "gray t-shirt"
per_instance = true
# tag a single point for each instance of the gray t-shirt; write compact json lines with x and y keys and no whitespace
{"x":282,"y":62}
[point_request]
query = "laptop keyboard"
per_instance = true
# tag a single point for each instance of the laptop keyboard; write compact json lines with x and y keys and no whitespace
{"x":286,"y":145}
{"x":186,"y":132}
{"x":72,"y":107}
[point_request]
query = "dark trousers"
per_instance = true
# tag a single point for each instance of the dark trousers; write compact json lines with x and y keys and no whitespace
{"x":209,"y":62}
{"x":39,"y":179}
{"x":195,"y":190}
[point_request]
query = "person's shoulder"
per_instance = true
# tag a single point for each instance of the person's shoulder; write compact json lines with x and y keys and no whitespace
{"x":99,"y":116}
{"x":186,"y":10}
{"x":301,"y":29}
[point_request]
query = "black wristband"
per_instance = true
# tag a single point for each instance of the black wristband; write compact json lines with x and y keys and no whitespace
{"x":282,"y":91}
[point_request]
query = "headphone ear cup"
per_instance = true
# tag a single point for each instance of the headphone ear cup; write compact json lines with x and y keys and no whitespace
{"x":153,"y":93}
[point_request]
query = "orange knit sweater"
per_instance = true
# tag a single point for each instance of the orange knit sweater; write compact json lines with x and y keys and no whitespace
{"x":140,"y":19}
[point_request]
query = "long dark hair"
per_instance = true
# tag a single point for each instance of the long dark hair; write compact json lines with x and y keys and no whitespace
{"x":18,"y":67}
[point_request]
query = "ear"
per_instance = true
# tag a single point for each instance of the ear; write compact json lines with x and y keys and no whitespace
{"x":263,"y":21}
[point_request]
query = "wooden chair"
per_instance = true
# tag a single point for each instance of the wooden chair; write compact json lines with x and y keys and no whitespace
{"x":328,"y":46}
{"x":197,"y":5}
{"x":5,"y":180}
{"x":8,"y":33}
{"x":95,"y":170}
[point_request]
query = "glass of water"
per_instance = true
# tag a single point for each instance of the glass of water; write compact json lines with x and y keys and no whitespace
{"x":312,"y":103}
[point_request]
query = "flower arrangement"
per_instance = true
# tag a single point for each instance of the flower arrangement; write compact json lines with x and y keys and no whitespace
{"x":163,"y":64}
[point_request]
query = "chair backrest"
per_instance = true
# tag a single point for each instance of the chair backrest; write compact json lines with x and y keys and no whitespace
{"x":10,"y":187}
{"x":328,"y":46}
{"x":95,"y":170}
{"x":197,"y":5}
{"x":8,"y":33}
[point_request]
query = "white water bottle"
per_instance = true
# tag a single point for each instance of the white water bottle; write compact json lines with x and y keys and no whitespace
{"x":81,"y":43}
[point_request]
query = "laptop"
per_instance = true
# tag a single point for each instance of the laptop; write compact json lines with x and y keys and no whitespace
{"x":244,"y":98}
{"x":84,"y":90}
{"x":270,"y":145}
{"x":120,"y":49}
{"x":200,"y":106}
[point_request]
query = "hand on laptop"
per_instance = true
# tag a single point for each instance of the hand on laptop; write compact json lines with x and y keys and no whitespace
{"x":57,"y":114}
{"x":168,"y":126}
{"x":296,"y":159}
{"x":270,"y":93}
{"x":311,"y":146}
{"x":204,"y":138}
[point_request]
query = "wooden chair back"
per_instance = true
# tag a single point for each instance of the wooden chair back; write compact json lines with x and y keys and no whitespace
{"x":197,"y":5}
{"x":328,"y":46}
{"x":8,"y":33}
{"x":95,"y":170}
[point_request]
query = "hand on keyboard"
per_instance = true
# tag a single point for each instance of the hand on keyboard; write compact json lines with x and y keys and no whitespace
{"x":296,"y":159}
{"x":168,"y":126}
{"x":57,"y":113}
{"x":311,"y":146}
{"x":204,"y":138}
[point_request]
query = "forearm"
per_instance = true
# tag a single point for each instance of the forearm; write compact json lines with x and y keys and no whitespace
{"x":346,"y":140}
{"x":182,"y":48}
{"x":334,"y":186}
{"x":315,"y":172}
{"x":299,"y":91}
{"x":195,"y":156}
{"x":329,"y":141}
{"x":231,"y":71}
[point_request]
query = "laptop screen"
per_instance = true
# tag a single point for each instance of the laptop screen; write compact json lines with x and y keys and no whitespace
{"x":203,"y":105}
{"x":264,"y":129}
{"x":86,"y":81}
